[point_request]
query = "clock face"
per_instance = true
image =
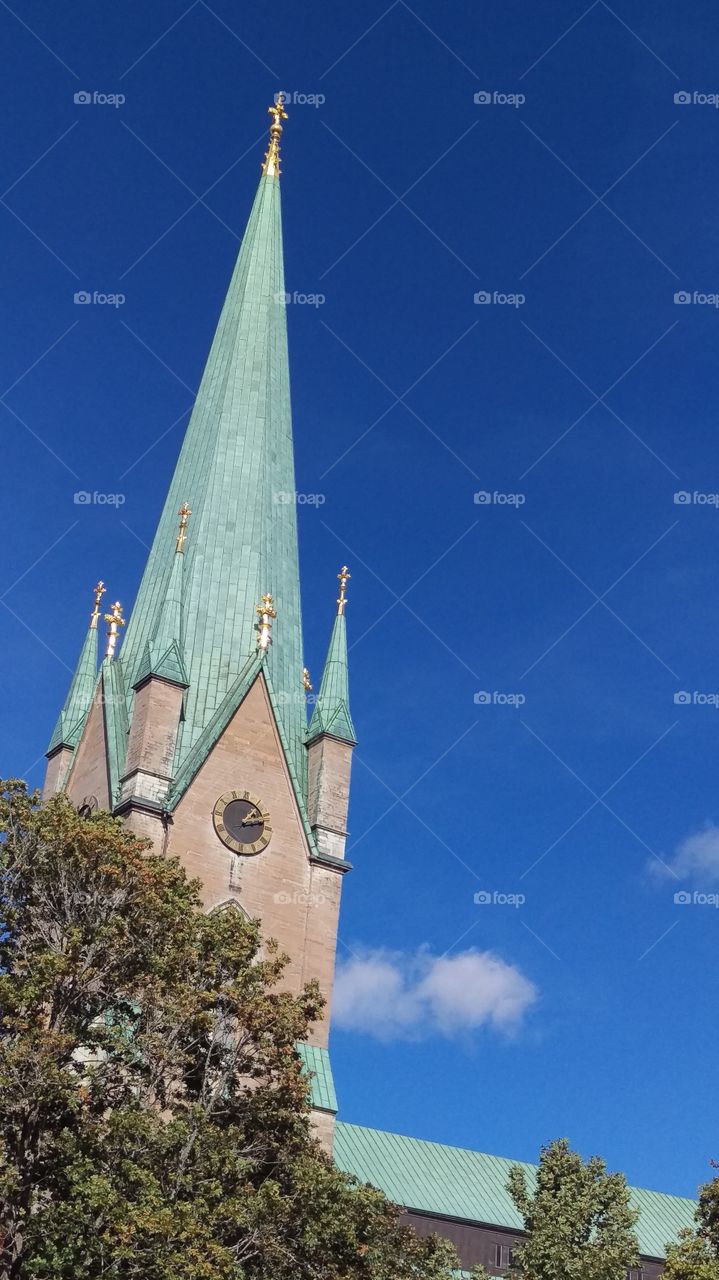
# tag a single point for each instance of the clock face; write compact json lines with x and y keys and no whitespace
{"x":242,"y":822}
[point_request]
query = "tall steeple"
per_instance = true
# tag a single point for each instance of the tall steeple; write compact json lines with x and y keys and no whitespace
{"x":195,"y":732}
{"x":71,"y":719}
{"x":236,"y":471}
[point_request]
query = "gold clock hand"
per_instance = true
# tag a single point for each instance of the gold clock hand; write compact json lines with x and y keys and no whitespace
{"x":251,"y":819}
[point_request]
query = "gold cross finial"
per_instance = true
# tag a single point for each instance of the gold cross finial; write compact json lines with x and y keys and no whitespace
{"x":115,"y":620}
{"x":98,"y":591}
{"x":344,"y":575}
{"x":183,"y":513}
{"x":271,"y":162}
{"x":265,"y":613}
{"x":306,"y":682}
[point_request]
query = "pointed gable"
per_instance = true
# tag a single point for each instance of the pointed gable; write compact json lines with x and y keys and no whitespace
{"x":246,"y":754}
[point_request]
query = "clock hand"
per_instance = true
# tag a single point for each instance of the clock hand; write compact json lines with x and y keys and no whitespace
{"x":251,"y":819}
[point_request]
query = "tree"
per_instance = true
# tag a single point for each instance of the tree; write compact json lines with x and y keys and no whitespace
{"x":691,"y":1258}
{"x":695,"y":1256}
{"x":154,"y":1119}
{"x":578,"y":1219}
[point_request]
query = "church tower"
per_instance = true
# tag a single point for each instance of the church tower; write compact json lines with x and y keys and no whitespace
{"x":195,"y":731}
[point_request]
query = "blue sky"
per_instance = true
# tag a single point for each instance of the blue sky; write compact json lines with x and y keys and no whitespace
{"x":587,"y":1010}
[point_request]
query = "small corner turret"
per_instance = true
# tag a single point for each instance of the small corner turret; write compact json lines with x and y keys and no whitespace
{"x":160,"y":686}
{"x":331,"y":739}
{"x":71,"y":720}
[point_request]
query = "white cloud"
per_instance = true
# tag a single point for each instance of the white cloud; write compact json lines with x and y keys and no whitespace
{"x":695,"y":858}
{"x":394,"y":996}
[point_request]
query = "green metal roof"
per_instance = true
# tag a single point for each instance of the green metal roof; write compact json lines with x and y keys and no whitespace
{"x":456,"y":1183}
{"x":316,"y":1064}
{"x":236,"y":471}
{"x":332,"y":708}
{"x":116,"y":723}
{"x":71,"y":719}
{"x":163,"y":652}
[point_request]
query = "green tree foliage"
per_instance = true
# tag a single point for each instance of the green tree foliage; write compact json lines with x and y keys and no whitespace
{"x":691,"y":1258}
{"x":154,"y":1121}
{"x":695,"y":1256}
{"x":708,"y":1213}
{"x":578,"y":1219}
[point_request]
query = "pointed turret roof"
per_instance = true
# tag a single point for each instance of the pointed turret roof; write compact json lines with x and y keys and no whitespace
{"x":236,"y":470}
{"x":72,"y":718}
{"x":162,"y":655}
{"x":332,"y":708}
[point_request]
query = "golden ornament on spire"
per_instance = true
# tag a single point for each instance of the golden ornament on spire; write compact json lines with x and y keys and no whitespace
{"x":271,"y":162}
{"x":265,"y":613}
{"x":344,"y":575}
{"x":115,"y":620}
{"x":306,"y":682}
{"x":99,"y":590}
{"x":183,"y":513}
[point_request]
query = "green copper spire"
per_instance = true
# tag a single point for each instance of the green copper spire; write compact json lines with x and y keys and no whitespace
{"x":332,"y":708}
{"x":236,"y":471}
{"x":71,"y":719}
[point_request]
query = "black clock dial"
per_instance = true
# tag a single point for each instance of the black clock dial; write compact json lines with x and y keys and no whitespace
{"x":243,"y":821}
